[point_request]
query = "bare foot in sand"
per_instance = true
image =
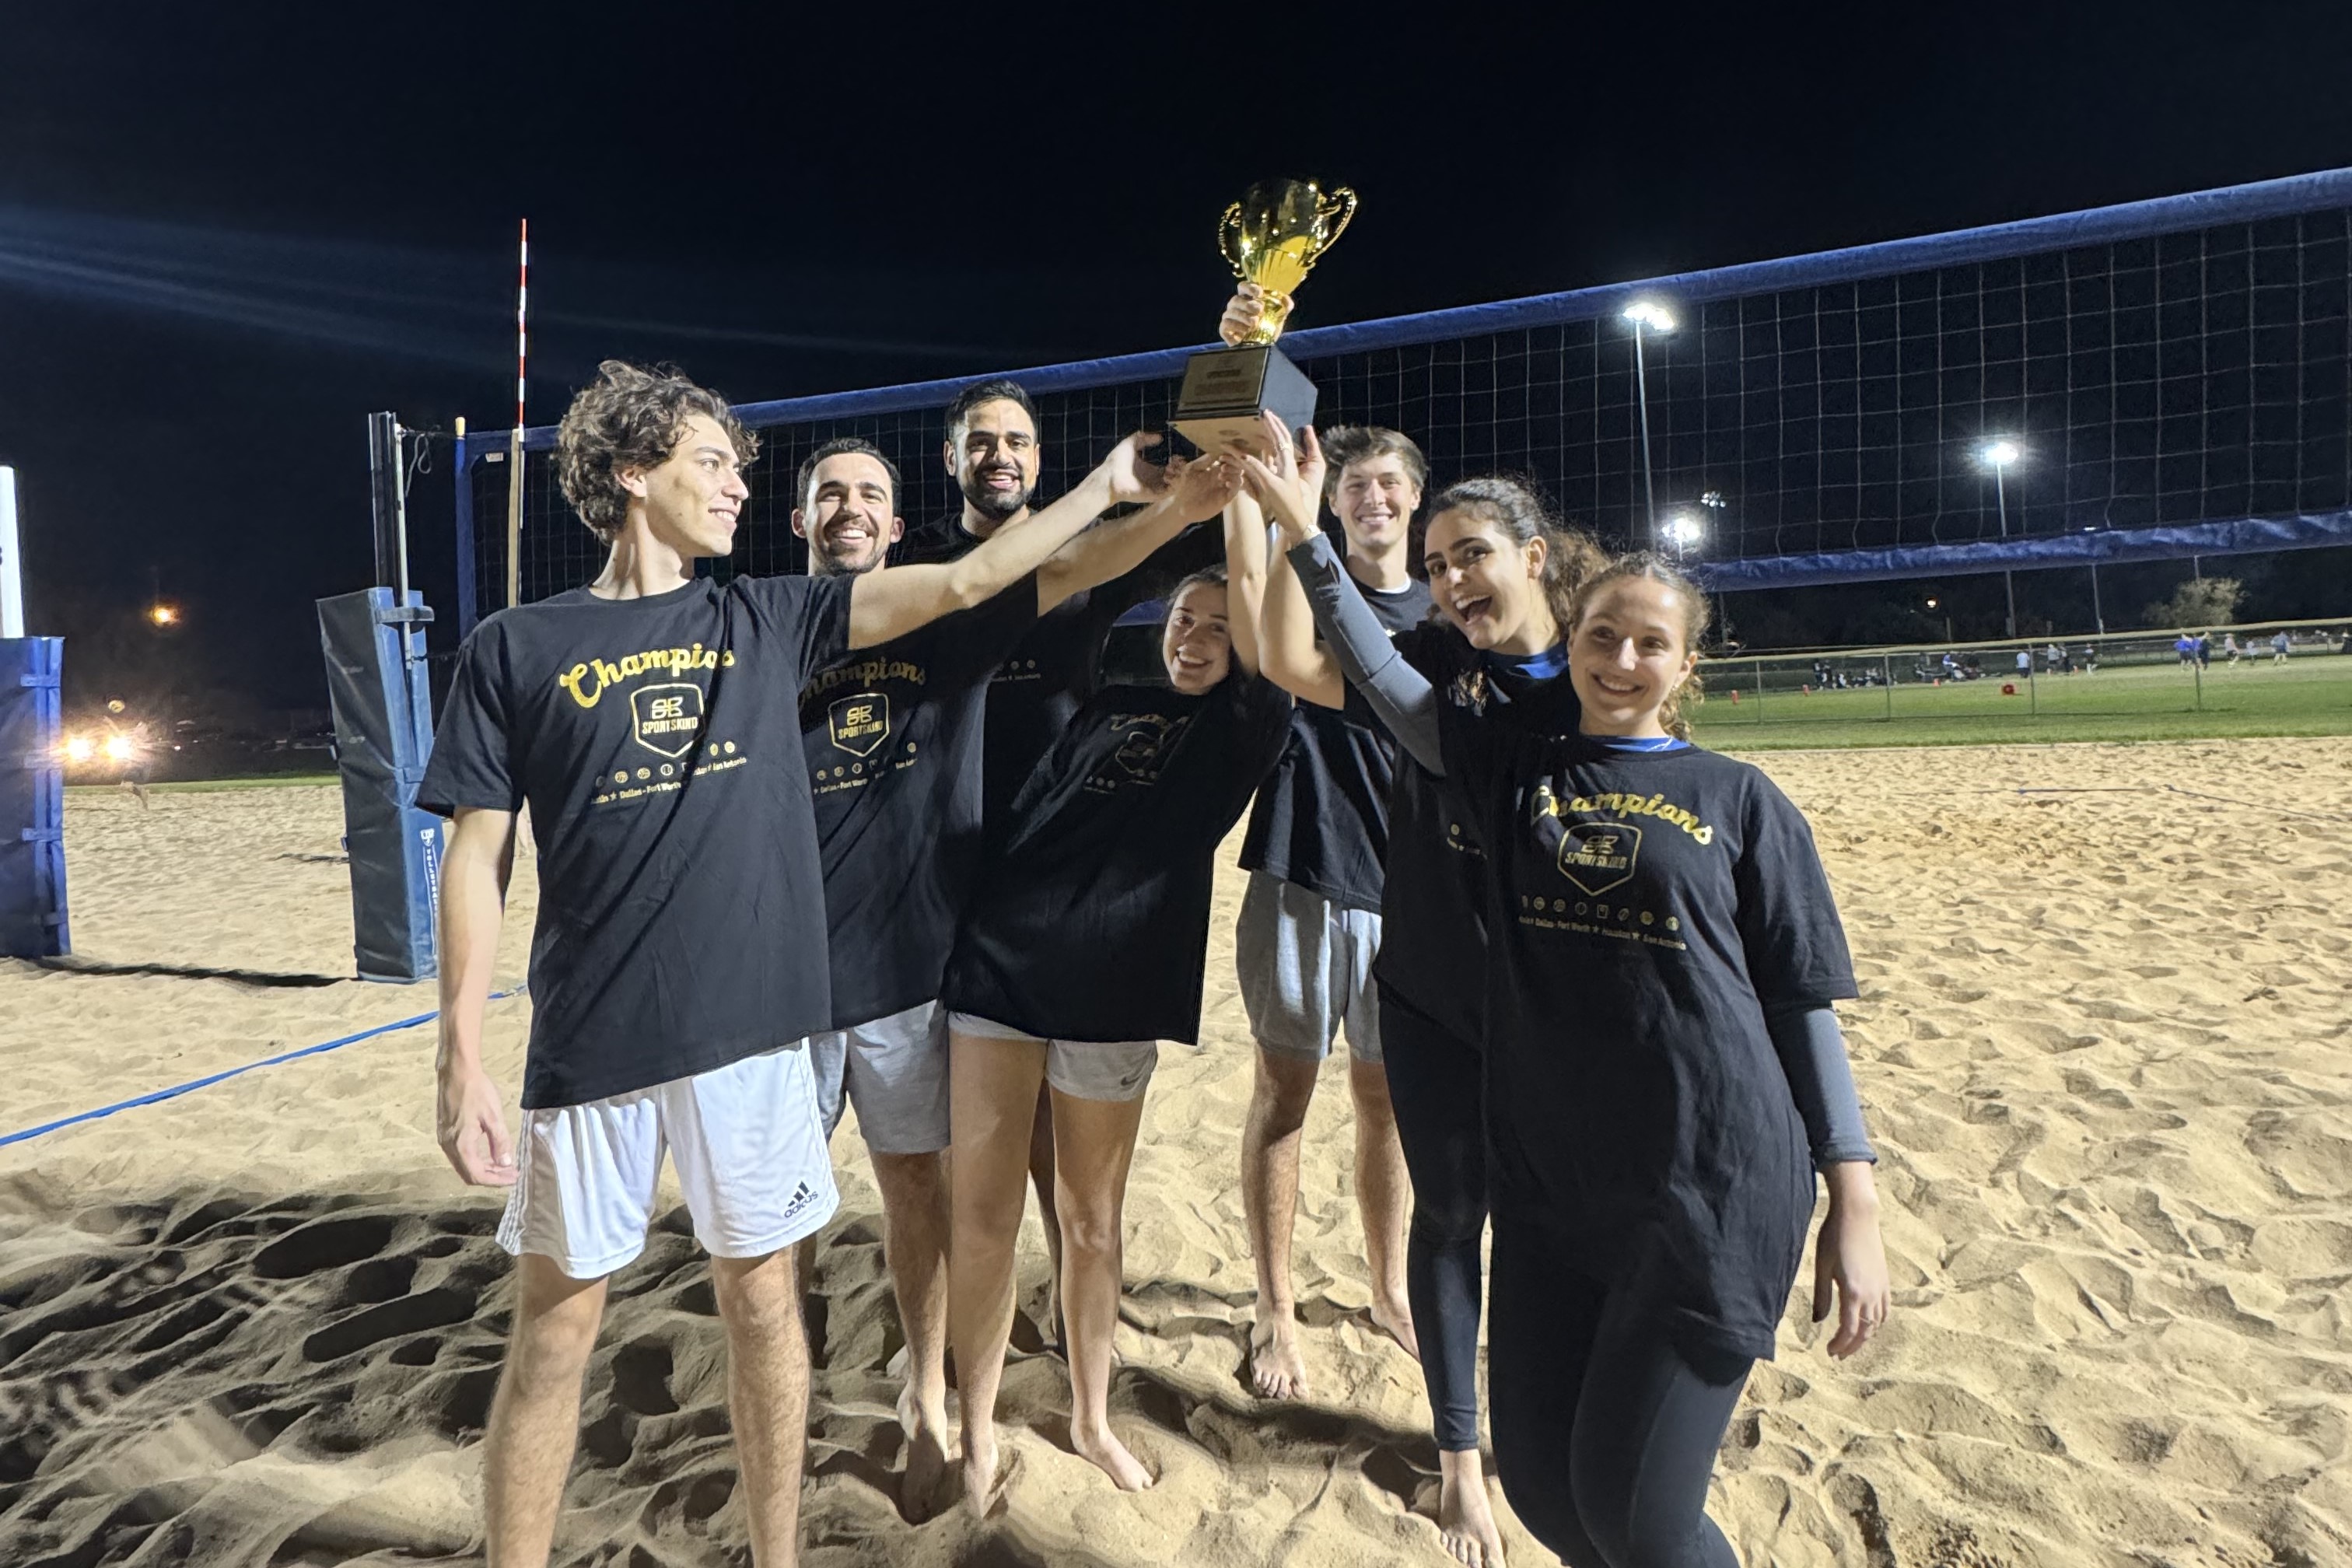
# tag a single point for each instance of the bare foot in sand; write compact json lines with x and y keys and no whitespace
{"x":1394,"y":1317}
{"x":983,"y":1480}
{"x":1278,"y":1368}
{"x":1465,"y":1519}
{"x":1106,"y":1453}
{"x":921,"y":1492}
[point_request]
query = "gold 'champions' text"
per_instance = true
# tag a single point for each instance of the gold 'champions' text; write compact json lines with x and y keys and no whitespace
{"x":1543,"y":802}
{"x":587,"y":682}
{"x":863,"y":672}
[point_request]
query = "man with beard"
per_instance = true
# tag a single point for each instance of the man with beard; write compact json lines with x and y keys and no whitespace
{"x":993,"y":451}
{"x":892,"y":739}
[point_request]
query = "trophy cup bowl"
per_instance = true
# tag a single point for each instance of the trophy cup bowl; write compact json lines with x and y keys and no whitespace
{"x":1272,"y":238}
{"x":1274,"y":234}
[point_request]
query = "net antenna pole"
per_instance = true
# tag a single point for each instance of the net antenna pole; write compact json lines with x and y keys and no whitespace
{"x":514,"y":445}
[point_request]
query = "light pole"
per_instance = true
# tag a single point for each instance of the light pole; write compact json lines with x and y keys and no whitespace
{"x":1997,"y":455}
{"x":1657,"y":319}
{"x":1713,"y":503}
{"x":1948,"y":621}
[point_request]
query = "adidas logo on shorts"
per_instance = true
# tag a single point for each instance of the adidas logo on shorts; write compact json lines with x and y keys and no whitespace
{"x":802,"y":1198}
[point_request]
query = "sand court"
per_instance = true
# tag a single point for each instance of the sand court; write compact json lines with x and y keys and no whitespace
{"x":2105,"y":1046}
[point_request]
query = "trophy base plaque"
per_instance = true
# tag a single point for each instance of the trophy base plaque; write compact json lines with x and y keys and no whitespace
{"x":1224,"y":390}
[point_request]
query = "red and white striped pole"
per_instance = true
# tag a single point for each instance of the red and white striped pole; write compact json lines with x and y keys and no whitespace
{"x":514,"y":444}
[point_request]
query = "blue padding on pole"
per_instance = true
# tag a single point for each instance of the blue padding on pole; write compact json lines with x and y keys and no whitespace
{"x":32,"y":800}
{"x":178,"y":1090}
{"x":2324,"y":191}
{"x":2239,"y":536}
{"x":384,"y":738}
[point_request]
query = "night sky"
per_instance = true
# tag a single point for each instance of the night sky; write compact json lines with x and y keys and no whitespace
{"x":223,"y":243}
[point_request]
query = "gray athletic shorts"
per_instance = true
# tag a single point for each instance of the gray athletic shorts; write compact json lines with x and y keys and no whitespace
{"x":1083,"y":1070}
{"x":1306,"y":968}
{"x":894,"y":1070}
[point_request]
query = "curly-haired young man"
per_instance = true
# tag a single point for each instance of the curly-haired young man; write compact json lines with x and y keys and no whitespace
{"x":650,"y":720}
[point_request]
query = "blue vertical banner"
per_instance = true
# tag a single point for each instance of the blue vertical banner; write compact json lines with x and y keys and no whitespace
{"x":32,"y":800}
{"x":384,"y":736}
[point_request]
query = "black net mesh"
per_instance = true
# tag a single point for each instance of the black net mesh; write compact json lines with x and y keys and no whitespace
{"x":2189,"y":377}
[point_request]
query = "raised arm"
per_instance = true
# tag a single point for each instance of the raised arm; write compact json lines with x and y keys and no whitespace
{"x":1195,"y":493}
{"x":1360,"y":645}
{"x":894,"y":600}
{"x":475,"y":866}
{"x":1245,"y":578}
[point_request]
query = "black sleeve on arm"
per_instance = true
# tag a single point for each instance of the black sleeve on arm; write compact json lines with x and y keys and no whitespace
{"x":1399,"y":693}
{"x":1812,"y":1053}
{"x":473,"y":762}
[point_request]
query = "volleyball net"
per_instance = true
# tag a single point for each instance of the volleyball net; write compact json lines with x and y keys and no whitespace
{"x":2171,"y":378}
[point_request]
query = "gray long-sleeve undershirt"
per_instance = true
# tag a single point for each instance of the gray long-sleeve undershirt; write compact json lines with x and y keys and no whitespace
{"x":1810,"y":1046}
{"x":1402,"y":696}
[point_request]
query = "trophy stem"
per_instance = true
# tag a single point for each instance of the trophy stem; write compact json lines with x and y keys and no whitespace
{"x":1274,"y":313}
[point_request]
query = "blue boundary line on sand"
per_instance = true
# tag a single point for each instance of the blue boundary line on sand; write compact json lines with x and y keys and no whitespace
{"x":193,"y":1084}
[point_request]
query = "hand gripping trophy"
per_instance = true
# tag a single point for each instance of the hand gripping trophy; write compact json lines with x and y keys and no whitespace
{"x":1273,"y":237}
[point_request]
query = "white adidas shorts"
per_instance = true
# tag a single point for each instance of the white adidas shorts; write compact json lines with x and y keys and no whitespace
{"x":749,"y":1150}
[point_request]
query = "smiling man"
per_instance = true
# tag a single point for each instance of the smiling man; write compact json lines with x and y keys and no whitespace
{"x":892,"y":737}
{"x":650,"y":721}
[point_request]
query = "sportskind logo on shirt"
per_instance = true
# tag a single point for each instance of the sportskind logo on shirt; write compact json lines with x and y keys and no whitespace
{"x":667,"y":717}
{"x":860,"y":722}
{"x":1145,"y":739}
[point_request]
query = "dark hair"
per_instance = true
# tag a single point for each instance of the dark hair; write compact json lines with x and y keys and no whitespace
{"x":842,"y":446}
{"x":1001,"y":390}
{"x":1346,"y":444}
{"x":1696,"y":619}
{"x":1513,"y":508}
{"x":631,"y":418}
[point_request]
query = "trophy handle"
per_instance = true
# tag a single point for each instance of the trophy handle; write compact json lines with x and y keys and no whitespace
{"x":1229,"y":230}
{"x":1343,"y":202}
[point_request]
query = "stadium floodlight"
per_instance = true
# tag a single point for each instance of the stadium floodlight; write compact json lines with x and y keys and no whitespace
{"x":1684,"y":530}
{"x":163,"y":615}
{"x":1656,"y":317}
{"x":1998,"y":453}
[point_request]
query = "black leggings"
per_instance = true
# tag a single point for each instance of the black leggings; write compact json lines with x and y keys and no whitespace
{"x":1434,"y":1084}
{"x":1605,"y":1433}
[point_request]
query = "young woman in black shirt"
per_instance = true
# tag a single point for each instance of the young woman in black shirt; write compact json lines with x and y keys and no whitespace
{"x":1662,"y":1058}
{"x":1084,"y":949}
{"x":1502,"y":576}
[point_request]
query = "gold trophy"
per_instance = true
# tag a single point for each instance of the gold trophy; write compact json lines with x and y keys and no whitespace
{"x":1273,"y":237}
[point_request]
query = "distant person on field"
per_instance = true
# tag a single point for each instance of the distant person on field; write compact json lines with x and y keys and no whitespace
{"x":2279,"y":645}
{"x":2185,"y":646}
{"x":2090,"y":658}
{"x":2204,"y":651}
{"x":2230,"y":646}
{"x":2025,"y":664}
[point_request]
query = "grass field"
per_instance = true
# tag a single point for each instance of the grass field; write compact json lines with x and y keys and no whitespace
{"x":2312,"y":695}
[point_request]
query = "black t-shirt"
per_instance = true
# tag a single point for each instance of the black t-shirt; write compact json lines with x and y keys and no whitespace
{"x":1433,"y":927}
{"x":893,"y":739}
{"x":1037,"y":689}
{"x":1648,"y":911}
{"x":681,"y":912}
{"x":1321,"y":820}
{"x":1091,"y":921}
